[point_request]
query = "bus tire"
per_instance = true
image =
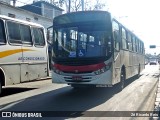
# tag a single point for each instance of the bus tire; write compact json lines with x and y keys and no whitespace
{"x":122,"y":80}
{"x":1,"y":80}
{"x":0,"y":86}
{"x":139,"y":69}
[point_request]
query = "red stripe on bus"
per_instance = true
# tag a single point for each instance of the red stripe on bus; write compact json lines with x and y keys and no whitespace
{"x":79,"y":68}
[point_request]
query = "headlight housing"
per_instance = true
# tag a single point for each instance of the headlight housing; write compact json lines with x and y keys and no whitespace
{"x":102,"y":70}
{"x":56,"y":70}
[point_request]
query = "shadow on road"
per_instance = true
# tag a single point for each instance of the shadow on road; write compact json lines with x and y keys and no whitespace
{"x":67,"y":99}
{"x":14,"y":90}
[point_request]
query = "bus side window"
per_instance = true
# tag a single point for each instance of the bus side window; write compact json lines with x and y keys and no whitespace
{"x":124,"y":39}
{"x":26,"y":34}
{"x":2,"y":33}
{"x":39,"y":39}
{"x":14,"y":32}
{"x":134,"y":43}
{"x":116,"y":35}
{"x":129,"y":42}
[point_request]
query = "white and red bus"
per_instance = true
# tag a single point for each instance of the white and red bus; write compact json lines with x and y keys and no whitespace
{"x":92,"y":48}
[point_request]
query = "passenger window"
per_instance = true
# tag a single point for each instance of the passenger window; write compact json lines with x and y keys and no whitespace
{"x":134,"y":44}
{"x":129,"y":42}
{"x":83,"y":40}
{"x":2,"y":33}
{"x":26,"y":34}
{"x":124,"y":39}
{"x":38,"y":37}
{"x":14,"y":32}
{"x":116,"y":35}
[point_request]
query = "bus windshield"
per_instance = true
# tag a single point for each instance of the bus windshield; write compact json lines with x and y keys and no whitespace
{"x":82,"y":41}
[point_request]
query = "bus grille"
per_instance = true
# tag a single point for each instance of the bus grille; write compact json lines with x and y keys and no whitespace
{"x":83,"y":79}
{"x":77,"y":72}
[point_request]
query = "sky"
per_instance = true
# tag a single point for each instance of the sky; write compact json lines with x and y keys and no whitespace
{"x":140,"y":16}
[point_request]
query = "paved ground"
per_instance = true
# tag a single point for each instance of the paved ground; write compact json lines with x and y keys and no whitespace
{"x":138,"y":95}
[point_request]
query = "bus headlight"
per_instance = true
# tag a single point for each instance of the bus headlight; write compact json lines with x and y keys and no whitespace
{"x":102,"y":70}
{"x":97,"y":72}
{"x":56,"y":70}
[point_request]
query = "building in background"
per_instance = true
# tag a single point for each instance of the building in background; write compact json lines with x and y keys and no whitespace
{"x":40,"y":12}
{"x":6,"y":1}
{"x":43,"y":8}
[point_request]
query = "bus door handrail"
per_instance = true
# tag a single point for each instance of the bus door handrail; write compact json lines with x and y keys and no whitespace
{"x":116,"y":57}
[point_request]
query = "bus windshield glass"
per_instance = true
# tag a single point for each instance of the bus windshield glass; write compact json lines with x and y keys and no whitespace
{"x":82,"y":41}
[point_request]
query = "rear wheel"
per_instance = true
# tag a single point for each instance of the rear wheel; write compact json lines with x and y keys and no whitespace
{"x":138,"y":75}
{"x":122,"y":82}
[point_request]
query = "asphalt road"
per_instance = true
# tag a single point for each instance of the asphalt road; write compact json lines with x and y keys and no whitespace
{"x":138,"y":95}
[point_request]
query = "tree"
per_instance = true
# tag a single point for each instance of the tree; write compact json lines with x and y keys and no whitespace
{"x":60,"y":3}
{"x":76,"y":5}
{"x":99,"y":5}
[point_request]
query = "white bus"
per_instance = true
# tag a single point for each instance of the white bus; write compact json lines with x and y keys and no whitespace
{"x":92,"y":48}
{"x":23,"y":51}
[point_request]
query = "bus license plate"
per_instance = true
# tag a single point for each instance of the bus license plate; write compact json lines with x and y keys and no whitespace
{"x":77,"y":77}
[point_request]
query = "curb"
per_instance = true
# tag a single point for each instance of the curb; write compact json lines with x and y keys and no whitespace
{"x":157,"y":101}
{"x":49,"y":77}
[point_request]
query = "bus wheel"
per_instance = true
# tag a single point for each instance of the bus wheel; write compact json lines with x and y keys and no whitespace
{"x":122,"y":82}
{"x":138,"y":75}
{"x":0,"y":87}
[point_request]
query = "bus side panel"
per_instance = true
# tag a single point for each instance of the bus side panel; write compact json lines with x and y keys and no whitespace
{"x":125,"y":62}
{"x":142,"y":62}
{"x":135,"y":63}
{"x":24,"y":72}
{"x":12,"y":73}
{"x":37,"y":70}
{"x":116,"y":67}
{"x":10,"y":63}
{"x":130,"y":64}
{"x":35,"y":62}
